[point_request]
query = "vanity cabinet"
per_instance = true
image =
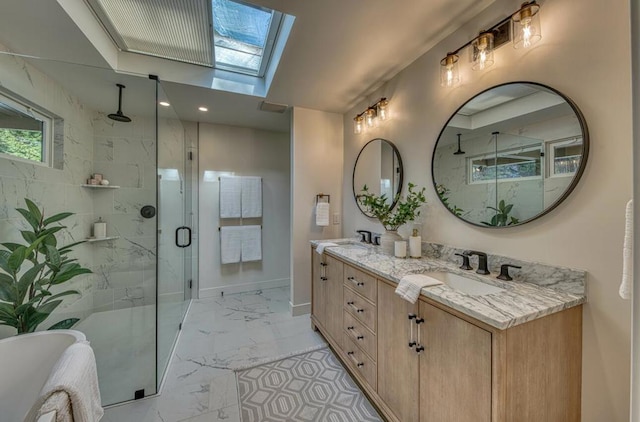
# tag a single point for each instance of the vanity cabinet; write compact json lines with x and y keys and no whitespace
{"x":327,"y":295}
{"x":427,"y":362}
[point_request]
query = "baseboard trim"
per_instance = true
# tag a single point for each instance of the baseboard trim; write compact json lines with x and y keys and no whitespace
{"x":243,"y":287}
{"x":302,"y":309}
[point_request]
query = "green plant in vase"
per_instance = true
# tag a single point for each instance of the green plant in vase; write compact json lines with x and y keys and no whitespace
{"x":502,"y":218}
{"x":26,"y":299}
{"x":406,"y":209}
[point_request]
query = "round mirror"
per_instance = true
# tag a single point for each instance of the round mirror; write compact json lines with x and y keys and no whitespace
{"x":510,"y":155}
{"x":379,"y":167}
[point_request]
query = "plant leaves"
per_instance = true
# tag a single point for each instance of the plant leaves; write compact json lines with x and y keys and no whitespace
{"x":67,"y":248}
{"x":34,"y":210}
{"x":56,"y":217}
{"x":4,"y":257}
{"x":29,"y":236}
{"x":65,"y":324}
{"x":11,"y":246}
{"x":65,"y":293}
{"x":8,"y":291}
{"x":26,"y":280}
{"x":30,"y":219}
{"x":35,"y":316}
{"x":53,"y":256}
{"x":16,"y":259}
{"x":68,"y":273}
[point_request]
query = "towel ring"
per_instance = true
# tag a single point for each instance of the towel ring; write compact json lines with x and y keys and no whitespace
{"x":322,"y":195}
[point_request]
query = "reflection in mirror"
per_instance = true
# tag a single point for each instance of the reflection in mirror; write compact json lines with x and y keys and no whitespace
{"x":379,"y":167}
{"x":510,"y":155}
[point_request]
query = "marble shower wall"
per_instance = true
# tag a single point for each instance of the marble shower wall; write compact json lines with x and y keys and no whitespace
{"x":54,"y":189}
{"x":125,"y":268}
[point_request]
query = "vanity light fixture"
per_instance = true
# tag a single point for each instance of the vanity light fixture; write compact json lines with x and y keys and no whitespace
{"x":526,"y":25}
{"x":370,"y":117}
{"x":482,"y":52}
{"x":449,"y":74}
{"x":522,"y":27}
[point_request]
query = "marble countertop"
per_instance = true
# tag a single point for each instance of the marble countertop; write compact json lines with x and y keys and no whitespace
{"x":518,"y":303}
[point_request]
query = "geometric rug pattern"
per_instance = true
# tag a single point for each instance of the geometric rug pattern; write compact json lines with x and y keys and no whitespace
{"x":309,"y":387}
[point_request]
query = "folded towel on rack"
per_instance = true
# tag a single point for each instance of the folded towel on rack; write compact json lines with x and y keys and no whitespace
{"x":322,"y":245}
{"x":410,"y":286}
{"x":626,"y":286}
{"x":251,"y":197}
{"x":230,"y":197}
{"x":322,"y":214}
{"x":251,"y":243}
{"x":72,"y":387}
{"x":230,"y":244}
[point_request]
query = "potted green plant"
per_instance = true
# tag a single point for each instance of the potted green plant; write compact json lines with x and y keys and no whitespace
{"x":501,"y":217}
{"x":405,"y":210}
{"x":26,"y":296}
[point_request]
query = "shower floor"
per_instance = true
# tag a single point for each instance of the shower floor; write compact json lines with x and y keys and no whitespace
{"x":124,"y":342}
{"x":220,"y":335}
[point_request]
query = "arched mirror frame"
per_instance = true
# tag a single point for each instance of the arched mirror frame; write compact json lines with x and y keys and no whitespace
{"x":400,"y":176}
{"x":568,"y":190}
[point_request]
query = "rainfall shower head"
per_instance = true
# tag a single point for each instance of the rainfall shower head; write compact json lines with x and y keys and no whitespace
{"x":118,"y":116}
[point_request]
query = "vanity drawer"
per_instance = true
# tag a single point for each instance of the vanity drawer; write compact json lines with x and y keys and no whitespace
{"x":363,"y":310}
{"x":360,"y":362}
{"x":360,"y":282}
{"x":360,"y":335}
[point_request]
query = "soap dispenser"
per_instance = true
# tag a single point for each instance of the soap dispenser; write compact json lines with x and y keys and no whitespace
{"x":415,"y":245}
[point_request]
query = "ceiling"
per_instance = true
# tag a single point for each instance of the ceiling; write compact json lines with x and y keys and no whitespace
{"x":338,"y":52}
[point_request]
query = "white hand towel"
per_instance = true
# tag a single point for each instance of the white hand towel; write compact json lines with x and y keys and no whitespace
{"x":322,"y":214}
{"x":410,"y":286}
{"x":626,"y":286}
{"x":230,"y":196}
{"x":230,"y":244}
{"x":322,"y":245}
{"x":74,"y":376}
{"x":251,"y":197}
{"x":251,"y":243}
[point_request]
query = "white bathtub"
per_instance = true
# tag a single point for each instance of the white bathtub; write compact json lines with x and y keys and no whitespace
{"x":25,"y":364}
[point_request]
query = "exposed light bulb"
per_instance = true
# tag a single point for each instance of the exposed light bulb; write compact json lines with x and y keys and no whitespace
{"x":370,"y":118}
{"x":526,"y":25}
{"x":383,"y":109}
{"x":449,"y":75}
{"x":482,"y":52}
{"x":358,"y":124}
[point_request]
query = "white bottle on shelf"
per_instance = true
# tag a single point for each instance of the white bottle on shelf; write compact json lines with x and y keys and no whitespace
{"x":99,"y":229}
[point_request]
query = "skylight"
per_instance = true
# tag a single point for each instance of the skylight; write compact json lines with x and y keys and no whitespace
{"x":225,"y":34}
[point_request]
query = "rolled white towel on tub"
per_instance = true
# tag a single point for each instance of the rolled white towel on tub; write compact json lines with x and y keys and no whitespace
{"x":74,"y":376}
{"x":410,"y":286}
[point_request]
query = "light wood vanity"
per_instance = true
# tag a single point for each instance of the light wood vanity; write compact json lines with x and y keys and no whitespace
{"x":430,"y":363}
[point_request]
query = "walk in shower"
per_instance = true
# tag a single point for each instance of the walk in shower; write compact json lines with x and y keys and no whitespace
{"x":131,"y":307}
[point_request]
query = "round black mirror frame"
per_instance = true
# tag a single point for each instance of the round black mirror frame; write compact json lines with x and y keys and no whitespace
{"x":568,"y":190}
{"x":400,"y":177}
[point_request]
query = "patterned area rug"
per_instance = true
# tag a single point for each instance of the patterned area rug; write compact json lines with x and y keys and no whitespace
{"x":309,"y":387}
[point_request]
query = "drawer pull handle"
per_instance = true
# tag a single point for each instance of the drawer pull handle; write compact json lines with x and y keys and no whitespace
{"x":324,"y":278}
{"x":356,"y":282}
{"x":355,"y":333}
{"x":359,"y":337}
{"x":419,"y":348}
{"x":353,"y":358}
{"x":354,"y":307}
{"x":323,"y":264}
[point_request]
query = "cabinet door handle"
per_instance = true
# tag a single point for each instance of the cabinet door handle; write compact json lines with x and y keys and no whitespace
{"x":355,"y":333}
{"x":323,"y":278}
{"x":355,"y":282}
{"x":322,"y":264}
{"x":354,"y":307}
{"x":419,"y":346}
{"x":412,"y":342}
{"x":353,"y":358}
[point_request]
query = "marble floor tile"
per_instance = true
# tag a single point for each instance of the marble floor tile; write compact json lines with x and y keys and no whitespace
{"x":219,"y":335}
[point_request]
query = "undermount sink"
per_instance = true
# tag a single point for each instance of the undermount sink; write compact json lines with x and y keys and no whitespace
{"x":356,"y":246}
{"x":464,"y":284}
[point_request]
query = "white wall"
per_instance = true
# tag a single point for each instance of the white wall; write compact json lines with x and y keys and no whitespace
{"x":584,"y":53}
{"x":244,"y":152}
{"x":316,"y":167}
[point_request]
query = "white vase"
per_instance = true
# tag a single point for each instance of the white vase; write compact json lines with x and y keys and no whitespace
{"x":388,"y":240}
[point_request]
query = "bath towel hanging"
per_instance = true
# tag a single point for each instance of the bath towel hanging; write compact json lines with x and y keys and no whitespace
{"x":230,"y":197}
{"x":251,"y":243}
{"x":626,"y":286}
{"x":251,"y":197}
{"x":230,"y":244}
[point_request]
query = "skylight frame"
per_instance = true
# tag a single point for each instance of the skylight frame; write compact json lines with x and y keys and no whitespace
{"x":269,"y":46}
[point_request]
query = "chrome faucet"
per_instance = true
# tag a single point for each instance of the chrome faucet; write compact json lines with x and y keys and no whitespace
{"x":482,"y":261}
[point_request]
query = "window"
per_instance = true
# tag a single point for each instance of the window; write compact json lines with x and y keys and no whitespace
{"x":509,"y":165}
{"x":565,"y":156}
{"x":25,"y":133}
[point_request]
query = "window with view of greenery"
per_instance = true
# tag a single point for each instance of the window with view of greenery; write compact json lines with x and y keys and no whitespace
{"x":25,"y":133}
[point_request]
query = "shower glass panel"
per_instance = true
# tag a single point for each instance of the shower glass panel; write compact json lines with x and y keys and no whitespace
{"x":174,"y":233}
{"x":131,"y":306}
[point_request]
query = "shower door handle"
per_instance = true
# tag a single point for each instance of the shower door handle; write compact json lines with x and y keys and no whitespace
{"x":178,"y":244}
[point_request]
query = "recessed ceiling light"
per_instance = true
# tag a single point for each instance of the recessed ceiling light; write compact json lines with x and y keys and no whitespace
{"x":203,"y":109}
{"x":164,"y":104}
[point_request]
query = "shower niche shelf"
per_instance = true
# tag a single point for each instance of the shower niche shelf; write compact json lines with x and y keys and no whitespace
{"x":102,"y":239}
{"x":100,"y":186}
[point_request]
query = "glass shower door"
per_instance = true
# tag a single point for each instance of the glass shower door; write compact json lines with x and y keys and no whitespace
{"x":173,"y":233}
